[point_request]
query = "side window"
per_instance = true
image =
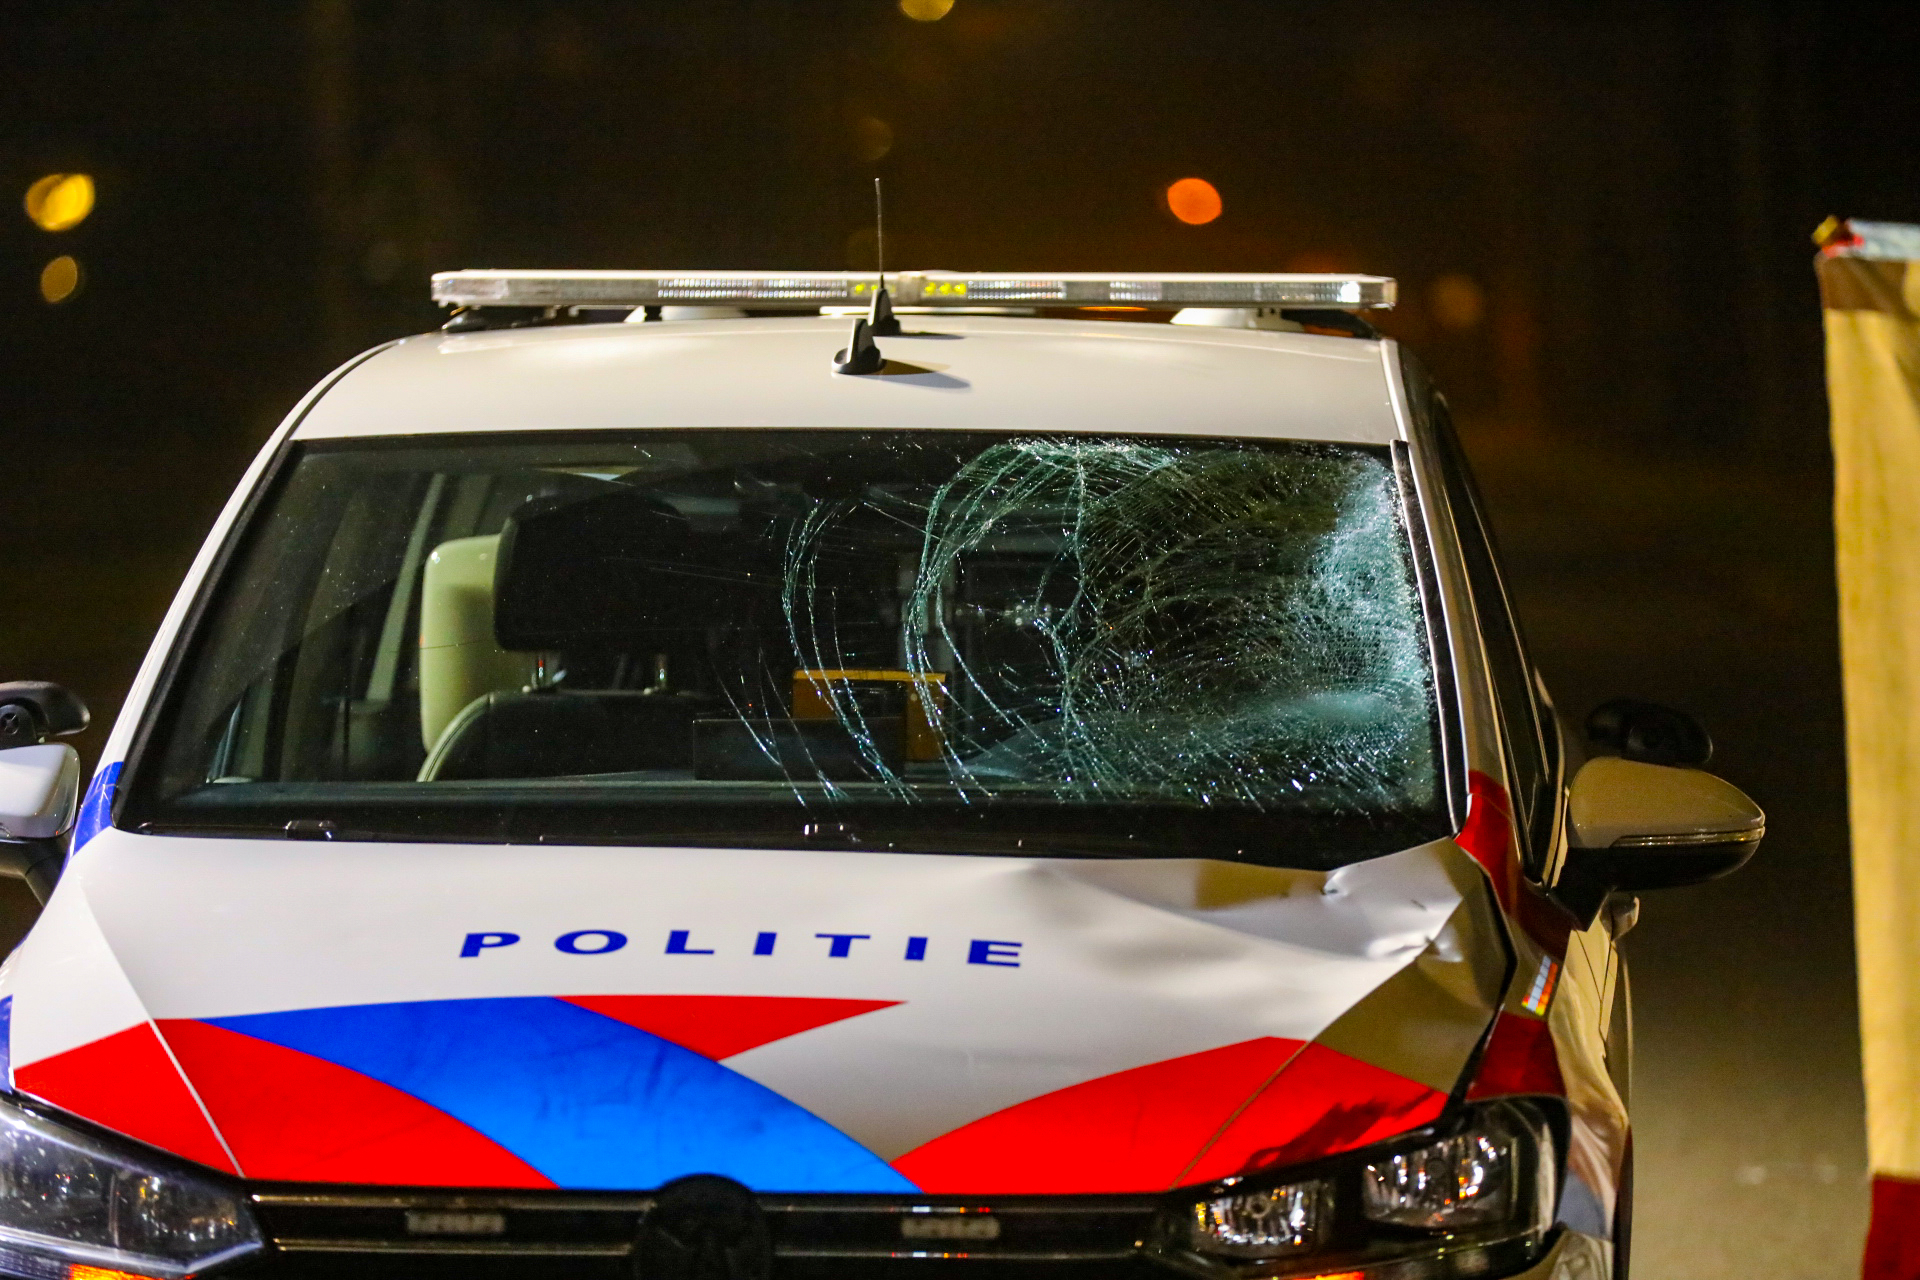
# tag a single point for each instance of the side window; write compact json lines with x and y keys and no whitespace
{"x":1530,"y":742}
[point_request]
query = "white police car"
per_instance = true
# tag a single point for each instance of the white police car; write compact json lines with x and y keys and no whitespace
{"x":719,"y":798}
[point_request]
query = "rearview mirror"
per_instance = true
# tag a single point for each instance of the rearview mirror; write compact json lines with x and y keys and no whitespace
{"x":618,"y":571}
{"x":1639,"y":826}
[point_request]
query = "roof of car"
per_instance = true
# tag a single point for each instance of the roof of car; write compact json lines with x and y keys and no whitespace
{"x":947,"y":371}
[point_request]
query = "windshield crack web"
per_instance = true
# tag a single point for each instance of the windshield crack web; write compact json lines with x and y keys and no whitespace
{"x":1138,"y":620}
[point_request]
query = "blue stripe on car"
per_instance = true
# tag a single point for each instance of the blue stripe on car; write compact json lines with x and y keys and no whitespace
{"x":588,"y":1101}
{"x":96,"y":811}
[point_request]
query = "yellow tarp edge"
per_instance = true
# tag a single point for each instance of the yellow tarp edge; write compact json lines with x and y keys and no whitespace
{"x":1873,"y":380}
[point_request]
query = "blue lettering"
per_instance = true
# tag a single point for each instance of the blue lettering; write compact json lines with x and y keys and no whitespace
{"x":1004,"y":954}
{"x":570,"y":942}
{"x":597,"y":942}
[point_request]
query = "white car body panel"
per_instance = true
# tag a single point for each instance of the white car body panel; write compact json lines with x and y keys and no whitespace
{"x":972,"y":372}
{"x":1115,"y":964}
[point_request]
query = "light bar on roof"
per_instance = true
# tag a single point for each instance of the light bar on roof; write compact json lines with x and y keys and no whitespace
{"x":1168,"y":291}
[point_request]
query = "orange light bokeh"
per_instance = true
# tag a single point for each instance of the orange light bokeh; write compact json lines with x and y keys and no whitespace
{"x":1194,"y":201}
{"x":60,"y":279}
{"x":872,"y":138}
{"x":1457,"y":301}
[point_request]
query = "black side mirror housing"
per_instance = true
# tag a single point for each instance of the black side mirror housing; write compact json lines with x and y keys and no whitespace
{"x":31,"y":711}
{"x":1649,"y":733}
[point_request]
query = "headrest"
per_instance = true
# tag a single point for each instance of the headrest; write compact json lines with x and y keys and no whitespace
{"x":616,"y":569}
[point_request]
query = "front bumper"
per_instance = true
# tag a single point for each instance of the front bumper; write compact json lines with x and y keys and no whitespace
{"x":1573,"y":1255}
{"x":315,"y":1232}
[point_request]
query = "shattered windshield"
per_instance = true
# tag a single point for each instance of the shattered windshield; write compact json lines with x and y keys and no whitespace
{"x":930,"y":640}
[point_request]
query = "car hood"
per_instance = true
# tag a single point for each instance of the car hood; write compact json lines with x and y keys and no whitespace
{"x":801,"y":1021}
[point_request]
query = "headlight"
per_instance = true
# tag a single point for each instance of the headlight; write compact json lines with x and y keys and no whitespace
{"x":1463,"y":1181}
{"x":1477,"y":1201}
{"x":72,"y":1206}
{"x":1270,"y":1222}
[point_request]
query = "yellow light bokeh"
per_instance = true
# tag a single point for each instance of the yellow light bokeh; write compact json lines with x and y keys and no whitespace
{"x":872,"y":138}
{"x":1194,"y":201}
{"x":60,"y":201}
{"x":926,"y":10}
{"x":60,"y":279}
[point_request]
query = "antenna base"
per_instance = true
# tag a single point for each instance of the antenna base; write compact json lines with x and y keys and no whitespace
{"x":884,"y":323}
{"x":860,"y":355}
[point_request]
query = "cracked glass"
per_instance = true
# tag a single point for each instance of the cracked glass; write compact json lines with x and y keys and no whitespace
{"x":940,"y":641}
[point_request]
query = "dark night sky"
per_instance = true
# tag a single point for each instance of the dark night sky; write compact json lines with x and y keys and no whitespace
{"x":1630,"y":187}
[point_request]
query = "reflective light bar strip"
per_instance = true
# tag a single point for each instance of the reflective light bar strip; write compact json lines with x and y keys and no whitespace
{"x":783,"y":288}
{"x":14,"y":1262}
{"x":1540,"y":995}
{"x":777,"y":289}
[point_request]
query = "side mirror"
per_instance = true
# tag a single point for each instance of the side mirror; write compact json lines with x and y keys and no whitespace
{"x":39,"y":781}
{"x":39,"y":791}
{"x":1639,"y":826}
{"x":31,"y":711}
{"x":1648,"y":732}
{"x":39,"y":796}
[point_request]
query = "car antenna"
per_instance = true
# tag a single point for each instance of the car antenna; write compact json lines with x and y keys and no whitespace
{"x":885,"y":324}
{"x":861,"y":355}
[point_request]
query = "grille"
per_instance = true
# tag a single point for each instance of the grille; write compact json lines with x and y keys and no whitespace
{"x":321,"y":1232}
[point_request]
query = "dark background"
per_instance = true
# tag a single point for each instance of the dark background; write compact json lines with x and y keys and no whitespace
{"x":1599,"y":218}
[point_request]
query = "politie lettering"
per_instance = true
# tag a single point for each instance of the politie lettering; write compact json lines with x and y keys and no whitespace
{"x":994,"y":952}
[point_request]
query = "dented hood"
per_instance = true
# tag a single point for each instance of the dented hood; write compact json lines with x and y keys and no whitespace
{"x":800,"y":1021}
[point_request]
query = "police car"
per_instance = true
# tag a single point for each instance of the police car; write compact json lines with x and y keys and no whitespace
{"x":943,"y":782}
